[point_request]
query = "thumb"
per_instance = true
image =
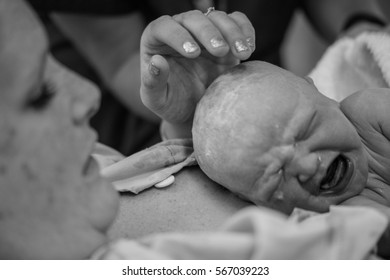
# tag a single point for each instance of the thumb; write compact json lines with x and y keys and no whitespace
{"x":154,"y":83}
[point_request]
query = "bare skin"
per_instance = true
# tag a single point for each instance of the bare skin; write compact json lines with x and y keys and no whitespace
{"x":182,"y":55}
{"x":273,"y":139}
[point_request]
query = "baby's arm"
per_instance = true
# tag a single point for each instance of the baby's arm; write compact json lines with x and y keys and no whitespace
{"x":368,"y":111}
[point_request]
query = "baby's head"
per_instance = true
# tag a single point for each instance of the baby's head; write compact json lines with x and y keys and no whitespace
{"x":272,"y":138}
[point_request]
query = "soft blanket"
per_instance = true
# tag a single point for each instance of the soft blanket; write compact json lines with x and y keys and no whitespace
{"x":353,"y":64}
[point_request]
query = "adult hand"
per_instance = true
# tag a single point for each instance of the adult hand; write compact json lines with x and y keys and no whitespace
{"x":183,"y":54}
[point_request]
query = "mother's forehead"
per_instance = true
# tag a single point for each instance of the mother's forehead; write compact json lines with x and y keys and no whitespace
{"x":23,"y":45}
{"x":20,"y":27}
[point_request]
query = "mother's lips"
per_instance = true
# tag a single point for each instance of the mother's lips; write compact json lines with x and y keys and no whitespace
{"x":89,"y":166}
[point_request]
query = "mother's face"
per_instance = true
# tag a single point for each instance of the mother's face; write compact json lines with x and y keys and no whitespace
{"x":53,"y":202}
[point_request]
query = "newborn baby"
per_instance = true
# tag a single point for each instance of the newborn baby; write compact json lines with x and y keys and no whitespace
{"x":272,"y":138}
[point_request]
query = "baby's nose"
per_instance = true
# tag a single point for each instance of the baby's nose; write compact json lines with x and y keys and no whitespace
{"x":303,"y":166}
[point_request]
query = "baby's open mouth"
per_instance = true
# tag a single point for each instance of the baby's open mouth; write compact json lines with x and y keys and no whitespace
{"x":337,"y":176}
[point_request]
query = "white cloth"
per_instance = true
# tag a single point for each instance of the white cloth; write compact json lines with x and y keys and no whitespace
{"x":260,"y":233}
{"x":353,"y":64}
{"x":146,"y":168}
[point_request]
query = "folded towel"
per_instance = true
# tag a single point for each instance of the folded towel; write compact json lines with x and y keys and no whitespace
{"x":353,"y":64}
{"x":150,"y":167}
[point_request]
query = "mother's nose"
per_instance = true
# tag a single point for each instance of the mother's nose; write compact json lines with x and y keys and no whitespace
{"x":86,"y":102}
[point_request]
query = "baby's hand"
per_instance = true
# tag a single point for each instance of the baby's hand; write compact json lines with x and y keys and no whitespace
{"x":368,"y":112}
{"x":183,"y":54}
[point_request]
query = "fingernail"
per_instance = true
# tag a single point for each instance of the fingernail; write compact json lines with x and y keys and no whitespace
{"x":217,"y":42}
{"x":190,"y":47}
{"x":153,"y":69}
{"x":251,"y":43}
{"x":241,"y":46}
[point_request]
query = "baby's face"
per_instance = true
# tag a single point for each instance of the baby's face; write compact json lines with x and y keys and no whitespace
{"x":273,"y":139}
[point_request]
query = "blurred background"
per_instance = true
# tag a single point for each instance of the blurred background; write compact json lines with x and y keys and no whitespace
{"x":303,"y":47}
